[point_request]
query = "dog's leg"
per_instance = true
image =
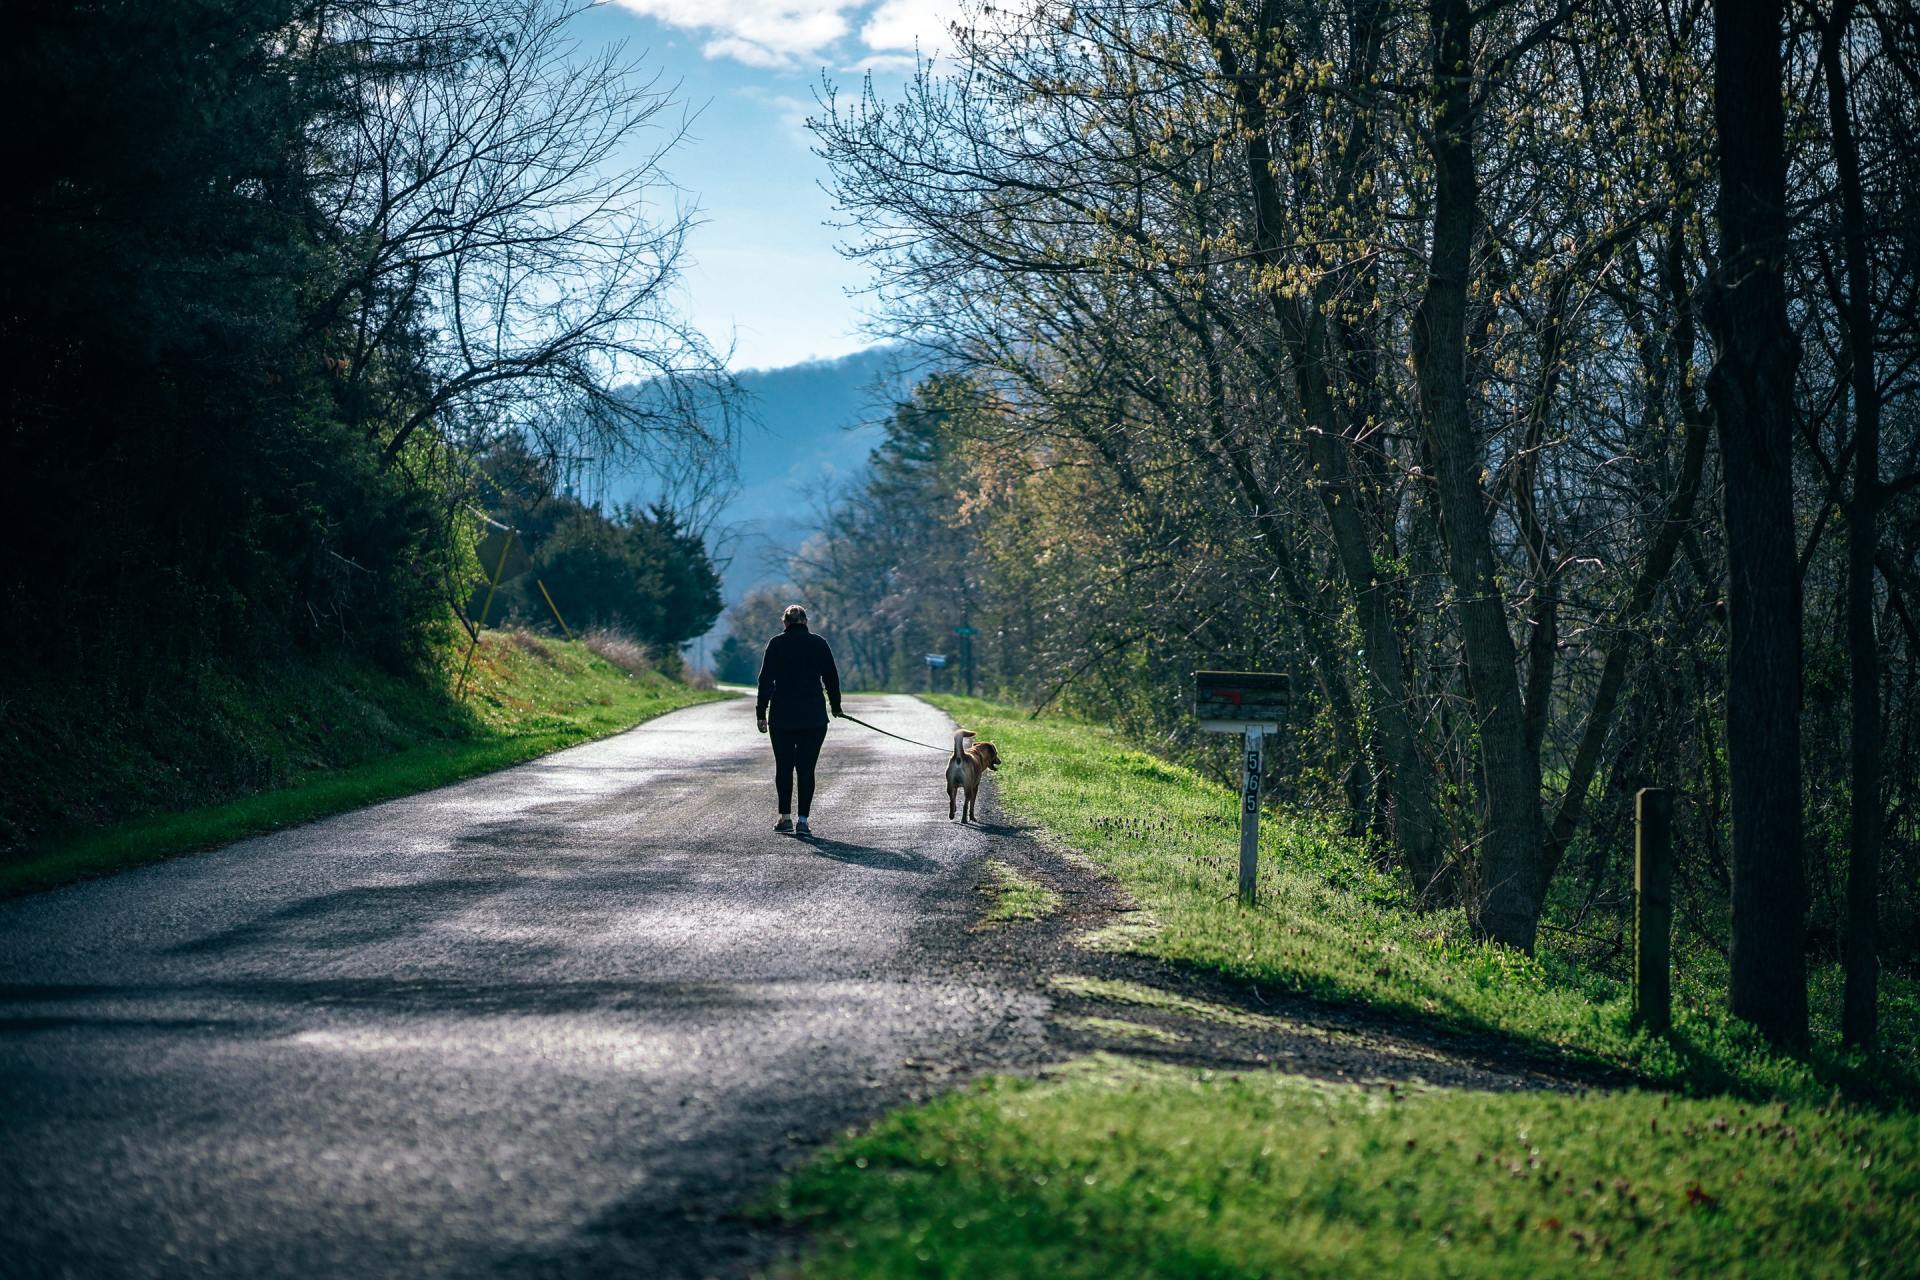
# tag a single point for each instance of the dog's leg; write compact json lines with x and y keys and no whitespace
{"x":950,"y":791}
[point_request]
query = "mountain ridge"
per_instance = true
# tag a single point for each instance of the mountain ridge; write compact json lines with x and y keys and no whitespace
{"x":802,"y":430}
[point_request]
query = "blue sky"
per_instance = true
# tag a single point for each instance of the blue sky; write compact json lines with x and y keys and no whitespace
{"x":764,"y":276}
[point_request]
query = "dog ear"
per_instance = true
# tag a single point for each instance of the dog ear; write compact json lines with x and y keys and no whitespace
{"x":993,"y":755}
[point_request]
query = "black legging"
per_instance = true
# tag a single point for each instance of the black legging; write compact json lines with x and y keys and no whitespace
{"x":795,"y":749}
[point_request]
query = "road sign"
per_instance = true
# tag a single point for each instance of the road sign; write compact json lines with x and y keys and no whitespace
{"x":1229,"y":701}
{"x":936,"y":660}
{"x":503,"y":554}
{"x":1251,"y":703}
{"x":966,"y":631}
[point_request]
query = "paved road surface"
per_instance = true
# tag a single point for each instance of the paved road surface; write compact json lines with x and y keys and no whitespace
{"x":549,"y":1022}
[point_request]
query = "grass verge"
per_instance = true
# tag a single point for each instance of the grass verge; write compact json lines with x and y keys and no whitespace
{"x":1331,"y":925}
{"x":1774,"y":1165}
{"x":319,"y":741}
{"x":1119,"y":1169}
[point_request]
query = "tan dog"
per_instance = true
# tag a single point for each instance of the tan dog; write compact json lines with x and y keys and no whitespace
{"x":968,"y":764}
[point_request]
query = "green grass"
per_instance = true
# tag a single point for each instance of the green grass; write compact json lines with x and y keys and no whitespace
{"x":1123,"y":1029}
{"x":321,"y":740}
{"x":1117,"y":991}
{"x":1746,"y":1162}
{"x":1119,"y":1169}
{"x":1014,"y":896}
{"x":1333,"y":926}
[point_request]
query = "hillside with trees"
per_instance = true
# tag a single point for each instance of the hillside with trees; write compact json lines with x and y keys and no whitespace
{"x":1535,"y":381}
{"x":277,"y":281}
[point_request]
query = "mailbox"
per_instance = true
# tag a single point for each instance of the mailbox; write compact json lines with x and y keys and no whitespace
{"x":1234,"y":701}
{"x":1251,"y":703}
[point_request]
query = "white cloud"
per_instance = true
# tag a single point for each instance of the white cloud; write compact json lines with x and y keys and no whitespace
{"x":899,"y":26}
{"x":758,"y":32}
{"x":789,"y":33}
{"x":744,"y":50}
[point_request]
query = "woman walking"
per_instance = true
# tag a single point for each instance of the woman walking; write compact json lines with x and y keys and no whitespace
{"x":798,"y":665}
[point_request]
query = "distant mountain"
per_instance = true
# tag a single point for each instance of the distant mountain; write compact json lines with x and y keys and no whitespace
{"x":804,"y":429}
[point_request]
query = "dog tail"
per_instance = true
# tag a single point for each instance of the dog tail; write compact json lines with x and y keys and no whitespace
{"x":960,"y":737}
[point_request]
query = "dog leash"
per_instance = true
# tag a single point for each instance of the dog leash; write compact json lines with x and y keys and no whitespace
{"x":877,"y":729}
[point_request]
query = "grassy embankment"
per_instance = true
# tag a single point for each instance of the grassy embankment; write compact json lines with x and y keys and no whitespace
{"x":1744,"y":1160}
{"x":199,"y":766}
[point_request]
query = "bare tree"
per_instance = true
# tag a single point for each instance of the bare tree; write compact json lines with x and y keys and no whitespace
{"x":1364,"y":338}
{"x":506,"y":236}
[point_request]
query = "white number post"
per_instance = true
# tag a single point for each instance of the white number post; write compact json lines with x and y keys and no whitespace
{"x":1251,"y":704}
{"x":1250,"y":816}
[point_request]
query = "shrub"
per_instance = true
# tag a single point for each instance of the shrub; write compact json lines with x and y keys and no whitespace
{"x":621,"y":649}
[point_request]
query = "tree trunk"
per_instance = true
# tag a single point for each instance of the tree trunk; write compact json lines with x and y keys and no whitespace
{"x":1859,"y":1014}
{"x":1751,"y":391}
{"x":1511,"y":888}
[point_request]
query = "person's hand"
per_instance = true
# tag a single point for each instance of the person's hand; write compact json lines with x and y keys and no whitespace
{"x":762,"y":722}
{"x":837,"y":713}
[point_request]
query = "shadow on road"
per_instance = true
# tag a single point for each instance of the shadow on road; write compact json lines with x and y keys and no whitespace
{"x":998,"y":828}
{"x":271,"y":1008}
{"x":373,"y":914}
{"x":867,"y":856}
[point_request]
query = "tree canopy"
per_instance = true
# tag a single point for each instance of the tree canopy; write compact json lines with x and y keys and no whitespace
{"x":1460,"y":359}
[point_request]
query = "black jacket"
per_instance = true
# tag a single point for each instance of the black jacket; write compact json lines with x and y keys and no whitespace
{"x":798,"y":664}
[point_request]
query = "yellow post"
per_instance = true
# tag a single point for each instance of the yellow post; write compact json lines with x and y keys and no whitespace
{"x":467,"y":666}
{"x":493,"y":583}
{"x":486,"y":606}
{"x":556,"y":608}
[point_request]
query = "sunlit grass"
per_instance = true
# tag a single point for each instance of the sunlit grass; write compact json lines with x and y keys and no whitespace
{"x":1014,"y":896}
{"x":1332,"y":925}
{"x":1122,"y":1169}
{"x":1124,"y":1029}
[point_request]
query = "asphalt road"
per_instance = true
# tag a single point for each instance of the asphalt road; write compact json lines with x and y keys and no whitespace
{"x":554,"y":1021}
